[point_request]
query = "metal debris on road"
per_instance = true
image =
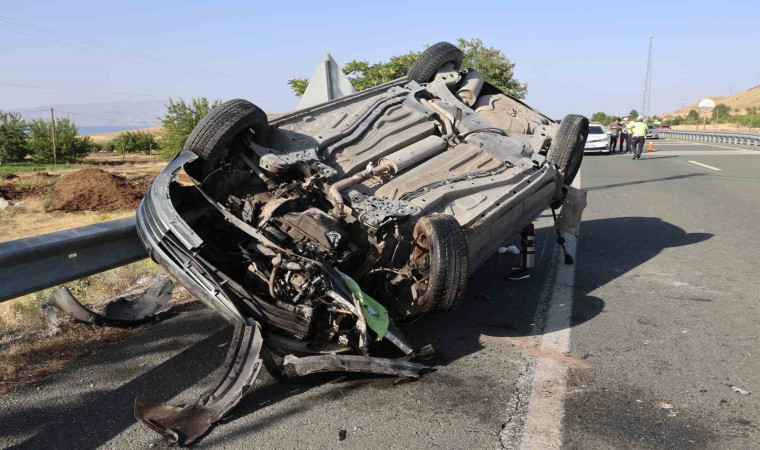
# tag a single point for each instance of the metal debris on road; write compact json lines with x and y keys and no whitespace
{"x":295,"y":366}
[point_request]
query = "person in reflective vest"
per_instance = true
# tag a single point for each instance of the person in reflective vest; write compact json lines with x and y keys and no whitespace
{"x":639,"y":131}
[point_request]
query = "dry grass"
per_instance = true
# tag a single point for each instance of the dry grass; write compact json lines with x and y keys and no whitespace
{"x":30,"y":219}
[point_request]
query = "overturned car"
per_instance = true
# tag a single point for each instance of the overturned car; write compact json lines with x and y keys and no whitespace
{"x":315,"y":232}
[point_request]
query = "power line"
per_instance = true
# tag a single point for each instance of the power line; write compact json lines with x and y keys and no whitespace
{"x":66,"y":38}
{"x":104,"y":118}
{"x":109,"y":119}
{"x":27,"y":112}
{"x":132,"y":94}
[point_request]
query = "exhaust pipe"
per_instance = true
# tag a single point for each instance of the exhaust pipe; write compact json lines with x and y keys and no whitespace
{"x":471,"y":86}
{"x":391,"y":164}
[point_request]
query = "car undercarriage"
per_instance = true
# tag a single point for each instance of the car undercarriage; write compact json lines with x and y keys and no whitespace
{"x":316,"y":232}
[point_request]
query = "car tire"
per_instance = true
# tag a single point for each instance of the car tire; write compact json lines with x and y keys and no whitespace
{"x":211,"y":137}
{"x":436,"y":56}
{"x":441,"y":241}
{"x":566,"y":150}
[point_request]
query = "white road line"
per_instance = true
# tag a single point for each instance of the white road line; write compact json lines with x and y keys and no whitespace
{"x":704,"y":165}
{"x":702,"y":153}
{"x":540,"y":392}
{"x":721,"y":146}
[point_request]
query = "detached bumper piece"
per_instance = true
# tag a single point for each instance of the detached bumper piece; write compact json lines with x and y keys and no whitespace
{"x":294,"y":366}
{"x":184,"y":426}
{"x":129,"y":308}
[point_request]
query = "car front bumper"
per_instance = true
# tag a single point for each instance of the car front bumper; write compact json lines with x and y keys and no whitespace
{"x":597,"y":145}
{"x":171,"y":243}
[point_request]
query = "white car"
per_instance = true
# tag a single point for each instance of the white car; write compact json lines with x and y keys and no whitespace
{"x":598,"y":139}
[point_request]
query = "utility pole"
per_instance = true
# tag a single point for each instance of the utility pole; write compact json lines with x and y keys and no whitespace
{"x":646,"y":102}
{"x":52,"y":130}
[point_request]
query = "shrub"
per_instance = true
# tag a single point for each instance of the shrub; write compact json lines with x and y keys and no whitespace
{"x":13,"y":146}
{"x":70,"y":146}
{"x":180,"y":120}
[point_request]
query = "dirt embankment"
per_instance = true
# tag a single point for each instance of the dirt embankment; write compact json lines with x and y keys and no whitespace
{"x":94,"y":190}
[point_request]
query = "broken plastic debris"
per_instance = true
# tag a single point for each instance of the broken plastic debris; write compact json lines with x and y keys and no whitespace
{"x":132,"y":307}
{"x":739,"y":390}
{"x":236,"y":377}
{"x":374,"y":313}
{"x":511,"y":250}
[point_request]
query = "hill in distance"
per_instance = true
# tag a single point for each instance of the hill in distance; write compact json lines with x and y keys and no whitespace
{"x":741,"y":101}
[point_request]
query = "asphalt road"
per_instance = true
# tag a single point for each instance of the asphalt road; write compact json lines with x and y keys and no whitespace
{"x":637,"y":345}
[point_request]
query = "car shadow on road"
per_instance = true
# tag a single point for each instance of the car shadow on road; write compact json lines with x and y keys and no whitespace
{"x":495,"y":308}
{"x":501,"y":308}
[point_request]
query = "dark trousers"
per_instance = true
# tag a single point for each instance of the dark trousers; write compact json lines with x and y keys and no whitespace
{"x":613,"y":143}
{"x":638,"y":145}
{"x":625,"y":138}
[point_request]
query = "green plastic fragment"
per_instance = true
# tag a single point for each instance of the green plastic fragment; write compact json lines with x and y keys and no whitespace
{"x":375,"y":314}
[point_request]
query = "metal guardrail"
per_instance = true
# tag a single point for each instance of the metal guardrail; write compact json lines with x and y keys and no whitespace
{"x":726,"y":137}
{"x":39,"y":262}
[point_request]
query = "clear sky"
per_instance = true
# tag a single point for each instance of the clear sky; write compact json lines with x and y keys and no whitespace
{"x":575,"y":56}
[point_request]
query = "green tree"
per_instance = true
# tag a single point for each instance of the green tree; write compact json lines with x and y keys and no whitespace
{"x":496,"y":68}
{"x":179,"y":121}
{"x":134,"y":141}
{"x":692,"y":116}
{"x":364,"y":75}
{"x":298,"y":85}
{"x":602,"y":118}
{"x":12,"y":138}
{"x":633,"y":114}
{"x":70,"y":146}
{"x":721,"y":112}
{"x":675,"y":120}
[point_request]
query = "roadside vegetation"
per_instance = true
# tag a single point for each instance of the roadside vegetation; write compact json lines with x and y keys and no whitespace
{"x":496,"y":68}
{"x":180,"y":119}
{"x":33,"y":141}
{"x":722,"y":114}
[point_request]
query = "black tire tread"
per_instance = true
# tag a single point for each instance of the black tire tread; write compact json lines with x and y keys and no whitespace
{"x":222,"y":123}
{"x":449,"y":262}
{"x":423,"y":70}
{"x":568,"y":142}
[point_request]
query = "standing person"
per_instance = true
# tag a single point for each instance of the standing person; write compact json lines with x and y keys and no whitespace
{"x":615,"y":135}
{"x":639,"y":130}
{"x":625,"y":136}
